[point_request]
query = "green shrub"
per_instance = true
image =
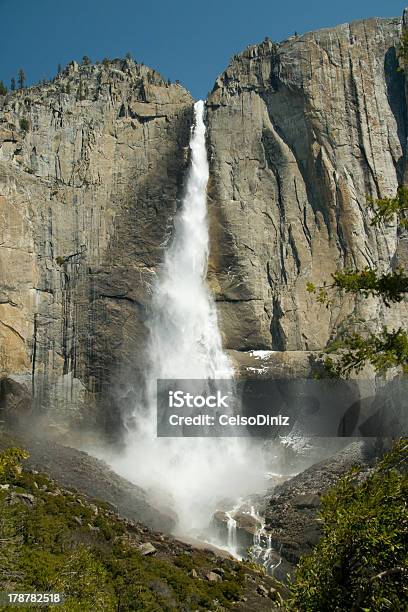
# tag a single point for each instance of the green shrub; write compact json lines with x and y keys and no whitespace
{"x":24,"y":124}
{"x":86,"y":583}
{"x":57,"y":542}
{"x":361,"y":562}
{"x":10,"y":464}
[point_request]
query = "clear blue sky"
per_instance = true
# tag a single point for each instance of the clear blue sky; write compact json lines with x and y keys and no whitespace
{"x":182,"y":39}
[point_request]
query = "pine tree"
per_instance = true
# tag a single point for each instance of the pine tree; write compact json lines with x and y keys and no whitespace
{"x":21,"y":78}
{"x":3,"y":89}
{"x":59,"y":69}
{"x":13,"y":84}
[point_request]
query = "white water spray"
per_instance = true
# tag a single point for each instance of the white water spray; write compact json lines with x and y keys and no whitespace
{"x":191,"y":474}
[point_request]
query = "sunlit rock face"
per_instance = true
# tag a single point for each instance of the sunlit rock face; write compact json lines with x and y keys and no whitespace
{"x":87,"y":197}
{"x":92,"y":168}
{"x":299,"y":134}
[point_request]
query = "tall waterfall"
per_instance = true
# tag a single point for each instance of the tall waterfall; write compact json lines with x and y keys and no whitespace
{"x":185,"y":339}
{"x":190,"y":474}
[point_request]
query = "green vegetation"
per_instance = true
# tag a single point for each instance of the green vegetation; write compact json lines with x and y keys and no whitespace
{"x":55,"y":540}
{"x":386,"y":208}
{"x":403,"y":50}
{"x":389,"y":349}
{"x":361,"y":563}
{"x":13,"y":84}
{"x":383,"y":351}
{"x":3,"y":89}
{"x":10,"y":463}
{"x":24,"y":124}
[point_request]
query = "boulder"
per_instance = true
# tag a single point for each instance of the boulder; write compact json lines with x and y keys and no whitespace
{"x":213,"y":577}
{"x":15,"y":401}
{"x":147,"y":549}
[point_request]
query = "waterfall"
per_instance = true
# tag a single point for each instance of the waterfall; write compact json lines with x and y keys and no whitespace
{"x":262,"y":551}
{"x":188,"y":475}
{"x":184,"y":319}
{"x":232,"y":534}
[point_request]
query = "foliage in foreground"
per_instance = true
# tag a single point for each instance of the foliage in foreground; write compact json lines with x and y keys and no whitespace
{"x":361,"y":562}
{"x":384,"y":351}
{"x":56,"y":541}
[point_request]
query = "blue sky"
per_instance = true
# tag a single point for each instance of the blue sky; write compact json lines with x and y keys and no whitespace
{"x":182,"y":39}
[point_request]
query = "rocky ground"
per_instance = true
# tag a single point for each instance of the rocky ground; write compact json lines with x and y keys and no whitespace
{"x":291,"y":510}
{"x":286,"y":519}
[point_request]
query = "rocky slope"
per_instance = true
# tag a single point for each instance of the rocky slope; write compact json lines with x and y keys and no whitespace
{"x":91,"y":477}
{"x":299,"y":133}
{"x":286,"y":521}
{"x":53,"y":537}
{"x":291,"y":510}
{"x":91,"y":171}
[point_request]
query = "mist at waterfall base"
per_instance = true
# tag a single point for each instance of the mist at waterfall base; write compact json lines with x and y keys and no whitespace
{"x":187,"y":476}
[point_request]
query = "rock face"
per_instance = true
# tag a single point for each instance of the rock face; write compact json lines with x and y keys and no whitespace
{"x":299,"y":134}
{"x":91,"y":169}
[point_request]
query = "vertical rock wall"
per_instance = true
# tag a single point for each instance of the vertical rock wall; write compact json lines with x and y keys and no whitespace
{"x":300,"y":133}
{"x":91,"y":168}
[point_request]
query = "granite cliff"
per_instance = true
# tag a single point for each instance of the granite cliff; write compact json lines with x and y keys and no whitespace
{"x":91,"y":173}
{"x":91,"y":168}
{"x":300,"y":133}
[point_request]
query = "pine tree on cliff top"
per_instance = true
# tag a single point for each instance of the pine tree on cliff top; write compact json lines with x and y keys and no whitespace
{"x":21,"y":78}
